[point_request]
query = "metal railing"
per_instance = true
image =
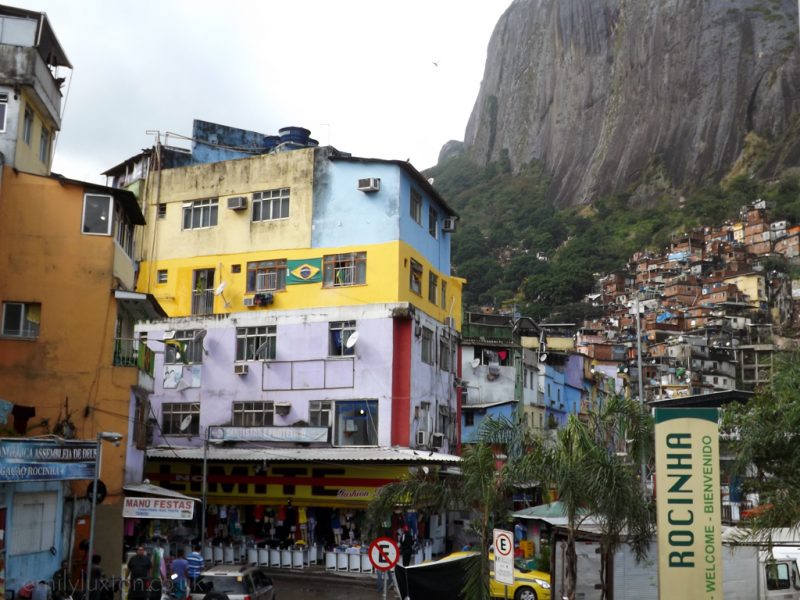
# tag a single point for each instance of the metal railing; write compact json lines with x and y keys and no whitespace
{"x":125,"y":352}
{"x":203,"y":302}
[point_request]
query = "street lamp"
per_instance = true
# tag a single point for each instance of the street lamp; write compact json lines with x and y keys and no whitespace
{"x":114,"y":437}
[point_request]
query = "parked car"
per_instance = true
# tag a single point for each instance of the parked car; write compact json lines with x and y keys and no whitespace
{"x":528,"y":584}
{"x":233,"y":582}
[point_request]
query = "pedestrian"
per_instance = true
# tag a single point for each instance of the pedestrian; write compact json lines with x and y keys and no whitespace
{"x":195,"y":565}
{"x":62,"y":582}
{"x":138,"y":574}
{"x":406,"y":545}
{"x":179,"y":569}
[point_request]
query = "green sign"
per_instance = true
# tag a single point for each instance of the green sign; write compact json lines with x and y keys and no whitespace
{"x":304,"y":271}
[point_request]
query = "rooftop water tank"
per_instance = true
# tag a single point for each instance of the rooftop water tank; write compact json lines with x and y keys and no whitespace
{"x":297,"y":135}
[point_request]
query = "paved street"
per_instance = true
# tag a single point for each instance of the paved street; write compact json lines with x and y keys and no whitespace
{"x":292,"y":587}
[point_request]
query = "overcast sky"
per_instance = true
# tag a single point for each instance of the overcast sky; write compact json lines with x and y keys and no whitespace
{"x":378,"y":79}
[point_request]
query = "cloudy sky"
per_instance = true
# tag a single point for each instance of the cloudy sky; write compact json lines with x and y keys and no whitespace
{"x":392,"y":80}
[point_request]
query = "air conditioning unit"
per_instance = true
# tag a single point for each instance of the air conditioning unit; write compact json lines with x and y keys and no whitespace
{"x":422,"y":438}
{"x":249,"y":301}
{"x":237,"y":203}
{"x":370,"y":184}
{"x":241,"y":369}
{"x":437,"y":441}
{"x":449,"y":224}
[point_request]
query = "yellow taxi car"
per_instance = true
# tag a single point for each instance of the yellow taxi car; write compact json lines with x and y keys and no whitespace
{"x":528,"y":584}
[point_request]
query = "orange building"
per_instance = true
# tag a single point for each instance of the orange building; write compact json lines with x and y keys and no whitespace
{"x":67,"y":361}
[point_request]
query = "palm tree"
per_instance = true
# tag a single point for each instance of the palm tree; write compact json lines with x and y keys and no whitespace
{"x":480,"y":487}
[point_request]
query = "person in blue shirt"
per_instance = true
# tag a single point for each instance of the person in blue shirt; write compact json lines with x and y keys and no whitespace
{"x":195,"y":565}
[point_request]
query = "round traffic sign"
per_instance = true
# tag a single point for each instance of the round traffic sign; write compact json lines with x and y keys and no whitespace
{"x":503,"y":542}
{"x":383,"y":553}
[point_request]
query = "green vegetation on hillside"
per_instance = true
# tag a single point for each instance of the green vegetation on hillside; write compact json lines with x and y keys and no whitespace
{"x":514,"y":247}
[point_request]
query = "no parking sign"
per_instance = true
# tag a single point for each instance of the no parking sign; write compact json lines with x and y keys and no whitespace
{"x":383,"y":553}
{"x":503,"y":556}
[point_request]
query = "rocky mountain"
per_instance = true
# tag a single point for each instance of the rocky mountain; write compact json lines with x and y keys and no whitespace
{"x":613,"y":95}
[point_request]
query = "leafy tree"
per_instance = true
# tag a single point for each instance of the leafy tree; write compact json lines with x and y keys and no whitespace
{"x":764,"y":435}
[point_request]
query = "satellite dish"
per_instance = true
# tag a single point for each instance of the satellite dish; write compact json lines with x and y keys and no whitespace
{"x":185,"y":422}
{"x":351,"y":341}
{"x":220,"y":289}
{"x":475,"y":363}
{"x":199,"y":335}
{"x":543,"y":357}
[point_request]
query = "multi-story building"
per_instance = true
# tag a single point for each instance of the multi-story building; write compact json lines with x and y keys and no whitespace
{"x":313,"y":318}
{"x":68,"y":367}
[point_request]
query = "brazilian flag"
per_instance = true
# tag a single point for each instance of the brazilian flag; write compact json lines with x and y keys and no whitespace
{"x":304,"y":271}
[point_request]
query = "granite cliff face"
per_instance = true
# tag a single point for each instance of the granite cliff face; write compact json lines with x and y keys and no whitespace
{"x":606,"y":93}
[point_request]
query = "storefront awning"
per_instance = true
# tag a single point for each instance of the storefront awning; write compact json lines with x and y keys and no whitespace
{"x":330,"y":455}
{"x":148,"y":489}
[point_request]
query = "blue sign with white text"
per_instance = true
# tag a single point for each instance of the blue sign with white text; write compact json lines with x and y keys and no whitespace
{"x":46,"y":460}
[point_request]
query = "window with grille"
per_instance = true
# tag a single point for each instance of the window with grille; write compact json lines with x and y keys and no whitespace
{"x":200,"y":214}
{"x":161,"y":211}
{"x":253,"y":414}
{"x":319,"y":413}
{"x":416,"y":206}
{"x":433,"y":219}
{"x":427,"y":345}
{"x":444,"y":355}
{"x":21,"y":319}
{"x":443,"y":295}
{"x":266,"y":275}
{"x":44,"y":145}
{"x":256,"y":343}
{"x":338,"y":334}
{"x":161,"y":276}
{"x":341,"y":270}
{"x":271,"y":205}
{"x":180,"y":418}
{"x":182,"y":349}
{"x":415,"y":279}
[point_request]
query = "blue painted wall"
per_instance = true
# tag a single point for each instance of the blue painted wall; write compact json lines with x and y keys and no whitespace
{"x":501,"y":410}
{"x":23,"y":568}
{"x":555,"y":395}
{"x":344,"y":216}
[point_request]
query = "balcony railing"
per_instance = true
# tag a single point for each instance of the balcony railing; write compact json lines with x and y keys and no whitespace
{"x":125,"y":352}
{"x":203,"y":302}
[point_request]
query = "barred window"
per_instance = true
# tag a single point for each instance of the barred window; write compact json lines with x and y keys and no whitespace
{"x":427,"y":345}
{"x":433,"y":286}
{"x":256,"y":343}
{"x":266,"y":275}
{"x":339,"y":332}
{"x":416,"y":206}
{"x":253,"y":414}
{"x":174,"y":418}
{"x":415,"y":280}
{"x":271,"y":205}
{"x":344,"y":269}
{"x":319,"y":413}
{"x":183,"y":349}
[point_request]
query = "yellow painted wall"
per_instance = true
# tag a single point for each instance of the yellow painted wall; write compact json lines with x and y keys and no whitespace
{"x":387,"y":280}
{"x":27,"y":156}
{"x":752,"y":285}
{"x":165,"y":239}
{"x":45,"y":259}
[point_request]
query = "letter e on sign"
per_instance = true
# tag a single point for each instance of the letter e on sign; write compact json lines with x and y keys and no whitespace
{"x":503,"y":556}
{"x":383,"y":553}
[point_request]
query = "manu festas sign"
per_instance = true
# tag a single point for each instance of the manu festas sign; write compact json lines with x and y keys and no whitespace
{"x":688,"y":503}
{"x":158,"y":508}
{"x":46,"y":460}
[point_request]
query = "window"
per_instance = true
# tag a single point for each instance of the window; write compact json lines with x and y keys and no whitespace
{"x":97,"y":214}
{"x":27,"y":126}
{"x":161,"y":210}
{"x":3,"y":111}
{"x":416,"y":206}
{"x":202,"y":291}
{"x":338,"y":334}
{"x":266,"y":275}
{"x":174,"y":418}
{"x":444,"y":354}
{"x":271,"y":205}
{"x":443,"y":295}
{"x":161,"y":276}
{"x":356,"y":423}
{"x":469,"y":418}
{"x":344,"y":269}
{"x":183,"y":349}
{"x":777,"y":576}
{"x":433,"y":227}
{"x":415,"y":280}
{"x":44,"y":145}
{"x":123,"y":231}
{"x":256,"y":343}
{"x":253,"y":414}
{"x":34,"y":527}
{"x":21,"y":319}
{"x":200,"y":213}
{"x":433,"y":286}
{"x":319,"y":413}
{"x":427,"y":345}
